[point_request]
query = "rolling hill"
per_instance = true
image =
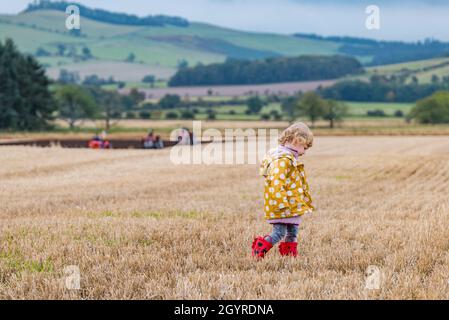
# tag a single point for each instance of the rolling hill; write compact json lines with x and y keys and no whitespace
{"x":423,"y":70}
{"x":129,"y":51}
{"x":154,"y":47}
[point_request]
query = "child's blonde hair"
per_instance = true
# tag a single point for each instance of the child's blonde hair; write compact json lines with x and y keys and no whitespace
{"x":297,"y":132}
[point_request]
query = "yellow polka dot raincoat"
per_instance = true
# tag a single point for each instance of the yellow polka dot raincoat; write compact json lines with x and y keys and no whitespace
{"x":287,"y":193}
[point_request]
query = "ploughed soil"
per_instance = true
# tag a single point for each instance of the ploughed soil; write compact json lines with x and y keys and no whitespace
{"x":79,"y":143}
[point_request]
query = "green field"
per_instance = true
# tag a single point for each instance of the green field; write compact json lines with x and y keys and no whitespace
{"x":164,"y":47}
{"x":356,"y":110}
{"x":423,"y":69}
{"x":158,"y":50}
{"x":152,"y":46}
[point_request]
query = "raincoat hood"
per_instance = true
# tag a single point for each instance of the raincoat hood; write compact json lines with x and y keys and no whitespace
{"x":276,"y":153}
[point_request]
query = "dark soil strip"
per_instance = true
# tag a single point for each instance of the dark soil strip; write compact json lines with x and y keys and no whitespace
{"x":78,"y":143}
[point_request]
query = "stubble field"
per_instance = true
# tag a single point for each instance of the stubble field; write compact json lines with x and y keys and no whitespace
{"x":139,"y":227}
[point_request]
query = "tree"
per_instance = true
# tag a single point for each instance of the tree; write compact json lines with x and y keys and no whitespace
{"x":136,"y":96}
{"x":334,"y":111}
{"x":149,"y":79}
{"x":87,"y":54}
{"x":41,"y":52}
{"x":376,"y":113}
{"x":109,"y":102}
{"x":433,"y":109}
{"x":312,"y":106}
{"x":144,"y":114}
{"x":270,"y":70}
{"x":131,"y":57}
{"x":68,"y":77}
{"x":211,"y":114}
{"x":61,"y":49}
{"x":169,"y":101}
{"x":130,"y":115}
{"x":94,"y":80}
{"x":171,"y":115}
{"x":254,"y":104}
{"x":110,"y":105}
{"x":276,"y":115}
{"x":399,"y":113}
{"x":435,"y":79}
{"x":187,"y":114}
{"x":288,"y":106}
{"x":25,"y":100}
{"x":127,"y":102}
{"x":75,"y":104}
{"x":72,"y":51}
{"x":183,"y":64}
{"x":110,"y":17}
{"x":357,"y":90}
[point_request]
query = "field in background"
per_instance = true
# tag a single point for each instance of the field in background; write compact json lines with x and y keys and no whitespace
{"x":125,"y":71}
{"x":138,"y":226}
{"x":356,"y":110}
{"x":287,"y":88}
{"x":423,"y":70}
{"x":154,"y":47}
{"x":360,"y":109}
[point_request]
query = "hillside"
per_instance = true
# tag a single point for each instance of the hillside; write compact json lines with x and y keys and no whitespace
{"x":117,"y":50}
{"x":386,"y":52}
{"x":423,"y":70}
{"x":154,"y":47}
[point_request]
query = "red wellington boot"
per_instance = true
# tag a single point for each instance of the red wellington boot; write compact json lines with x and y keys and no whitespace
{"x":260,"y":247}
{"x":288,"y":249}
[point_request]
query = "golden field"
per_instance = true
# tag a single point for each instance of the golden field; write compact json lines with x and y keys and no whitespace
{"x":140,"y":227}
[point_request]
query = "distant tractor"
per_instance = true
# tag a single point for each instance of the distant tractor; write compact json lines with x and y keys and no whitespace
{"x":100,"y":142}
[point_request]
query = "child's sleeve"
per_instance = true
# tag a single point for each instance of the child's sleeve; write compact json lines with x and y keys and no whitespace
{"x":278,"y":172}
{"x":307,"y":199}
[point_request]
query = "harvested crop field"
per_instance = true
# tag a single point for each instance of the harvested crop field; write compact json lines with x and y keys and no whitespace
{"x":287,"y":88}
{"x":138,"y":226}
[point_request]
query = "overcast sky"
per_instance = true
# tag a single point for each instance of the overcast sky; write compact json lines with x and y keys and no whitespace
{"x":400,"y":20}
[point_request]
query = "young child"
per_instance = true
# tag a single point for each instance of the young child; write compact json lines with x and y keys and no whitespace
{"x":286,"y":195}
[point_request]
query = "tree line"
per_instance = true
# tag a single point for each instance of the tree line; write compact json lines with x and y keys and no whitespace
{"x":382,"y":89}
{"x":433,"y":109}
{"x":385,"y":52}
{"x":270,"y":70}
{"x":26,"y":102}
{"x":111,"y":17}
